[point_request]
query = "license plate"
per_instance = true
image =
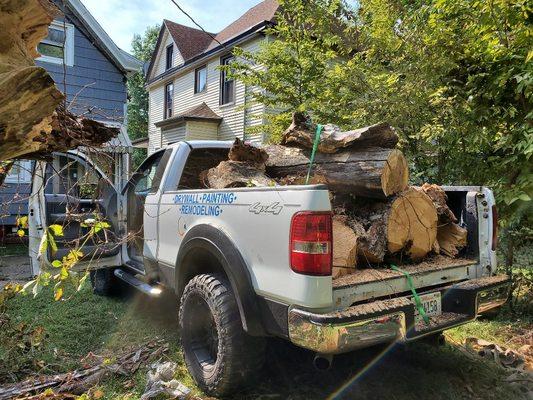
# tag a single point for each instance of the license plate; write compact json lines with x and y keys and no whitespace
{"x":431,"y":303}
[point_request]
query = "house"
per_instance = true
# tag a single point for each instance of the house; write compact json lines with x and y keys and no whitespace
{"x":91,"y":70}
{"x":189,"y":97}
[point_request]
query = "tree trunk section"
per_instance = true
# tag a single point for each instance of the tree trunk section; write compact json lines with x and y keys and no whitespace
{"x":440,"y":199}
{"x":302,"y":132}
{"x":231,"y":174}
{"x":373,"y":172}
{"x":344,"y":244}
{"x":451,"y":238}
{"x":406,"y":223}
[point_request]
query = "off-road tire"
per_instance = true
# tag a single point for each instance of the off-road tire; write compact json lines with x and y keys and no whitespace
{"x":104,"y":282}
{"x":238,"y":355}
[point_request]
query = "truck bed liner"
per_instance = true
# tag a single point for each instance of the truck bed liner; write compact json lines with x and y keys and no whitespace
{"x":436,"y":263}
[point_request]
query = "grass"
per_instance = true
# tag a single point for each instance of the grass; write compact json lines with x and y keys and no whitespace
{"x":85,"y":322}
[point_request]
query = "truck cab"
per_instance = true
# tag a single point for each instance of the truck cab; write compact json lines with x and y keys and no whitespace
{"x":247,"y":263}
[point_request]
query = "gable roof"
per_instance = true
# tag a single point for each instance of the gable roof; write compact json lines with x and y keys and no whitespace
{"x":193,"y":43}
{"x":123,"y":60}
{"x":189,"y":41}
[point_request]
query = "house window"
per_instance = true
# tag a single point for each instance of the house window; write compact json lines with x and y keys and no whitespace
{"x":169,"y":98}
{"x":20,"y":172}
{"x":170,"y":54}
{"x":227,"y":84}
{"x":200,"y":79}
{"x":58,"y":46}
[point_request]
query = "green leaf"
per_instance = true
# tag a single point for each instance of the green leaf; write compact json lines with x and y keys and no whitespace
{"x":57,"y":264}
{"x":56,"y":229}
{"x":44,"y":244}
{"x":53,"y":244}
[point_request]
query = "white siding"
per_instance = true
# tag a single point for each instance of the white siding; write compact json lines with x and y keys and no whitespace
{"x":160,"y":61}
{"x":173,"y":135}
{"x":197,"y":130}
{"x":155,"y":114}
{"x":235,"y":117}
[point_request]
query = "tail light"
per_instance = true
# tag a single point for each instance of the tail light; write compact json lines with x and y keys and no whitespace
{"x":311,"y":243}
{"x":494,"y":228}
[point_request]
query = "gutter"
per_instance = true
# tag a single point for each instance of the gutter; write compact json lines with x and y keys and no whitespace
{"x":125,"y":61}
{"x":199,"y":59}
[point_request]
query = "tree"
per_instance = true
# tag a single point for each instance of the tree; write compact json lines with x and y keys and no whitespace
{"x":300,"y":62}
{"x":143,"y":47}
{"x":454,"y":77}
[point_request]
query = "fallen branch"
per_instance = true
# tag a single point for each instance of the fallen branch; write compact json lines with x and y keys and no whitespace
{"x":79,"y":381}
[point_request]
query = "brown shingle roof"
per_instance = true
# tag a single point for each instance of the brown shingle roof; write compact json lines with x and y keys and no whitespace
{"x":190,"y":41}
{"x":264,"y":11}
{"x":193,"y":42}
{"x":200,"y":112}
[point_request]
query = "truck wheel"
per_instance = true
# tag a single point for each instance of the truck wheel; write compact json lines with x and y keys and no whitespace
{"x":104,"y":282}
{"x":220,"y":356}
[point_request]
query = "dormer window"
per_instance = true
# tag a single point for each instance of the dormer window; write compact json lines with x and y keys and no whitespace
{"x":170,"y":55}
{"x":58,"y":46}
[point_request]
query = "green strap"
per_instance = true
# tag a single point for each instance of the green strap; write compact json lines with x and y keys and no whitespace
{"x":315,"y":146}
{"x":418,"y":302}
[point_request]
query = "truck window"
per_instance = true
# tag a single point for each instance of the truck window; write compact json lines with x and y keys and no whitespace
{"x":200,"y":160}
{"x":149,"y":174}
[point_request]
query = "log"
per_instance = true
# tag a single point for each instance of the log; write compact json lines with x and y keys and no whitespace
{"x":34,"y":121}
{"x":373,"y":172}
{"x":344,"y":243}
{"x":451,"y":238}
{"x":440,"y":200}
{"x":231,"y":174}
{"x":406,"y":223}
{"x":302,"y":132}
{"x":245,"y":152}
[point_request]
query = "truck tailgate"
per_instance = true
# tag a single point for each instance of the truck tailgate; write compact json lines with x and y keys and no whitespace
{"x":369,"y":284}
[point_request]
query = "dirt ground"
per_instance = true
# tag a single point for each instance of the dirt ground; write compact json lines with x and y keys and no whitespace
{"x":15,"y":269}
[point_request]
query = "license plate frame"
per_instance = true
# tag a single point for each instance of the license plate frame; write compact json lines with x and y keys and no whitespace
{"x":432,"y":304}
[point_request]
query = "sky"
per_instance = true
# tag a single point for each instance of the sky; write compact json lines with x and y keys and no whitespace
{"x":123,"y":18}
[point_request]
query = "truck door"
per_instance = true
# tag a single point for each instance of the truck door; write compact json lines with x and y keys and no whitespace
{"x":142,"y":212}
{"x":72,"y":192}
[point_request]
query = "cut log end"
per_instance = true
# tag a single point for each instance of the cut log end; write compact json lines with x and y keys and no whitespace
{"x":451,"y":238}
{"x":395,"y":176}
{"x":412,"y":224}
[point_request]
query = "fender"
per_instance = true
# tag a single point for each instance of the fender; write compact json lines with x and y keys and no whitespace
{"x":204,"y":241}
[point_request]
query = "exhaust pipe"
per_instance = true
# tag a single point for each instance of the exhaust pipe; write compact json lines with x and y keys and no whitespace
{"x":322,"y":362}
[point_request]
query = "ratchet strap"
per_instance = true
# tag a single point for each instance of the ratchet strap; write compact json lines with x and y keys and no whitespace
{"x":418,"y":302}
{"x":315,"y":146}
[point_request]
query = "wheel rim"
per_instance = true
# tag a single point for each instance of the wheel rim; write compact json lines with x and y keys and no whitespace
{"x":200,"y":332}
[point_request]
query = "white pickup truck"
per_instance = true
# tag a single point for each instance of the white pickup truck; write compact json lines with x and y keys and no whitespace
{"x":248,"y":263}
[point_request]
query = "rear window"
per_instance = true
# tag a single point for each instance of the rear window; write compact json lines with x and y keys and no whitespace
{"x":200,"y":160}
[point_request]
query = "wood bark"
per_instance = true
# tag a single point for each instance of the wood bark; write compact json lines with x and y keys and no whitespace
{"x":372,"y":172}
{"x":451,"y":238}
{"x":440,"y":199}
{"x":406,"y":223}
{"x":302,"y":132}
{"x":231,"y":174}
{"x":33,"y":120}
{"x":344,"y":243}
{"x":245,"y":152}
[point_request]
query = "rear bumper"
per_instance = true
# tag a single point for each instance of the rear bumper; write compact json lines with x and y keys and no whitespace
{"x":392,"y":320}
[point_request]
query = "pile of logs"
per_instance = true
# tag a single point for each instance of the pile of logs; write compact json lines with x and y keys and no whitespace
{"x":378,"y":217}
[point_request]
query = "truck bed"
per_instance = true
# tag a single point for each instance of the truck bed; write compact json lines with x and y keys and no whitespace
{"x":436,"y":263}
{"x":369,"y":284}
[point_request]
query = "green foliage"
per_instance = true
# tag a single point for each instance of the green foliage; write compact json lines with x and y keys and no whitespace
{"x":300,"y":64}
{"x":454,"y":77}
{"x":143,"y":47}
